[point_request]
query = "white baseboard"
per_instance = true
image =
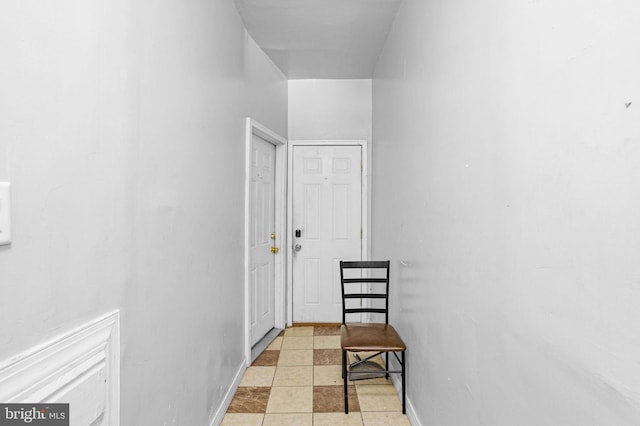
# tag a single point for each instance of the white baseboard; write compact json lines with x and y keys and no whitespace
{"x":80,"y":367}
{"x":222,"y":409}
{"x":397,"y":383}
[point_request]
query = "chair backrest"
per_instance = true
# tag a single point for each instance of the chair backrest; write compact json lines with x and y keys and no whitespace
{"x":352,"y":287}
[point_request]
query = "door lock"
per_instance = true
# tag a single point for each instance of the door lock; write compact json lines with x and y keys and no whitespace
{"x":298,"y":233}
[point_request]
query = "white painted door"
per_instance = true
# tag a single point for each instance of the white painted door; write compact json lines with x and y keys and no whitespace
{"x":327,"y":224}
{"x":262,"y":227}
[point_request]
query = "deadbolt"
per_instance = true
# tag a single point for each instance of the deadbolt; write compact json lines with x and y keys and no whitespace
{"x":273,"y":235}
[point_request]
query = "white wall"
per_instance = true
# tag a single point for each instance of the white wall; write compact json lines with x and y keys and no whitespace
{"x":122,"y":133}
{"x":506,"y":191}
{"x":67,"y":119}
{"x":330,"y":109}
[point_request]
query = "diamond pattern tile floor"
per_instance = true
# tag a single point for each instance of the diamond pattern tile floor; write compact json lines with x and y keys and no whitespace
{"x":296,"y":381}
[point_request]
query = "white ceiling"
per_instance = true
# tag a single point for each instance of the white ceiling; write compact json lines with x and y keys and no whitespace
{"x":320,"y":38}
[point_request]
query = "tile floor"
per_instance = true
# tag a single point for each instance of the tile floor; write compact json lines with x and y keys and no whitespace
{"x":298,"y":381}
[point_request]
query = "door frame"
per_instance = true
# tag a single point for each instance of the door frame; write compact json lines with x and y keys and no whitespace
{"x":255,"y":128}
{"x":365,"y":200}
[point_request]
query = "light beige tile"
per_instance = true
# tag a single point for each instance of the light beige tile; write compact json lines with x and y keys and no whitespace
{"x":385,"y":419}
{"x":291,"y":399}
{"x":258,"y":376}
{"x":327,"y":375}
{"x":301,"y":375}
{"x":381,"y":389}
{"x":242,"y":419}
{"x":276,"y":344}
{"x":326,"y":342}
{"x":296,"y":357}
{"x":337,"y":419}
{"x":378,"y":398}
{"x":298,"y":332}
{"x":288,"y":419}
{"x":297,"y":343}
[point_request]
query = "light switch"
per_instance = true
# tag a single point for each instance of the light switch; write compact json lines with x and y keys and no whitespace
{"x":5,"y":213}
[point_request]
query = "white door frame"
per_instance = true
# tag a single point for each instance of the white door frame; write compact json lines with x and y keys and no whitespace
{"x":366,"y":185}
{"x":280,"y":143}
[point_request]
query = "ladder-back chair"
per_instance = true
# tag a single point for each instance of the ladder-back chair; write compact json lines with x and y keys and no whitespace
{"x":377,"y":337}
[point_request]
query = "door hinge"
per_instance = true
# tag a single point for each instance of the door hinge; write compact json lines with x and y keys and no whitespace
{"x":361,"y":166}
{"x":361,"y":233}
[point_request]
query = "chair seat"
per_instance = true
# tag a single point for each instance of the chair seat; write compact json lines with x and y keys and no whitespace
{"x":370,"y":337}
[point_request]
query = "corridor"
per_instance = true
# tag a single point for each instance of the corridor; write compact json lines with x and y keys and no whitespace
{"x":501,"y":179}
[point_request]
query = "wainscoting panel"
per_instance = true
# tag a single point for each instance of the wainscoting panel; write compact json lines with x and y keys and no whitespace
{"x":81,"y":368}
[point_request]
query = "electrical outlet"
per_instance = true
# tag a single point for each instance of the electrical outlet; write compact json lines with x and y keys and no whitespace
{"x":5,"y":213}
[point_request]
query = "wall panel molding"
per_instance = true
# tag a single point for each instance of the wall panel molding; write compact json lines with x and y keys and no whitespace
{"x":81,"y":367}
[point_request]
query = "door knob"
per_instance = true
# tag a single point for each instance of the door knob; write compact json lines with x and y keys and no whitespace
{"x":297,"y":247}
{"x":274,"y":249}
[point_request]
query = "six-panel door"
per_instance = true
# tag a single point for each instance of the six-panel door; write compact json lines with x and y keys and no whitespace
{"x":327,"y":214}
{"x":262,"y":225}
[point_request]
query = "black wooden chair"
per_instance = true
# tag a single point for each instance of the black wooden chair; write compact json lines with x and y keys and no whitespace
{"x":377,"y":337}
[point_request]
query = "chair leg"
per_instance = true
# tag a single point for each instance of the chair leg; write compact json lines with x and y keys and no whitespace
{"x":404,"y":385}
{"x":344,"y":378}
{"x":386,"y":364}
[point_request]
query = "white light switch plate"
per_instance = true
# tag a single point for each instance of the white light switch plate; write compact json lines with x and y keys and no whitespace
{"x":5,"y":213}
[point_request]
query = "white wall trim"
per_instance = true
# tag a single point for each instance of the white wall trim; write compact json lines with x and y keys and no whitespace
{"x":66,"y":367}
{"x":228,"y":397}
{"x":255,"y":128}
{"x":397,"y":384}
{"x":366,"y":197}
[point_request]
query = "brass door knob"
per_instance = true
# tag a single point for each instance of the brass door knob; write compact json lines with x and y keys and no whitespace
{"x":274,"y":249}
